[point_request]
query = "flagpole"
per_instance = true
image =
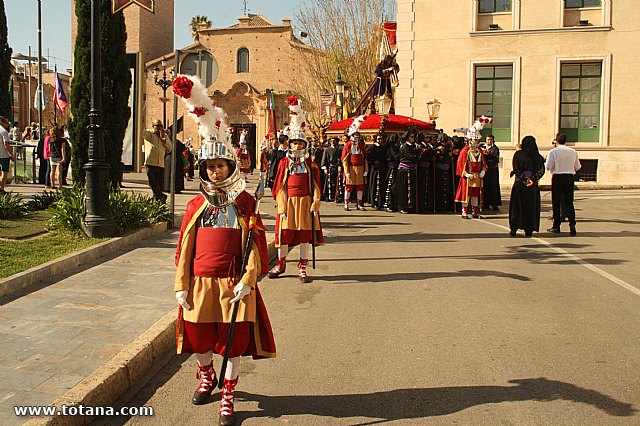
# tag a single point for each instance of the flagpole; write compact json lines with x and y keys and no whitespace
{"x":55,"y":109}
{"x":39,"y":90}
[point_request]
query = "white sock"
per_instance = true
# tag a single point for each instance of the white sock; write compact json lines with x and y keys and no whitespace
{"x":304,"y":250}
{"x":233,"y":368}
{"x":204,"y":359}
{"x":473,"y":201}
{"x":359,"y":195}
{"x":347,"y":196}
{"x":283,"y":250}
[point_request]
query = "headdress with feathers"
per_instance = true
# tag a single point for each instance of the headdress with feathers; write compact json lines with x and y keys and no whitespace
{"x":473,"y":132}
{"x":355,"y":125}
{"x":298,"y":120}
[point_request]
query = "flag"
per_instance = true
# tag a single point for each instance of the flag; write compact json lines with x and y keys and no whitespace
{"x":11,"y":117}
{"x":59,"y":98}
{"x":272,"y":115}
{"x":39,"y":97}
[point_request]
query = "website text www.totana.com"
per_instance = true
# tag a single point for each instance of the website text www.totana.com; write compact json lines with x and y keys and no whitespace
{"x":80,"y":410}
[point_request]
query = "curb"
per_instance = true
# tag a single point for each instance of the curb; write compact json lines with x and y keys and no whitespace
{"x":60,"y":265}
{"x":107,"y":384}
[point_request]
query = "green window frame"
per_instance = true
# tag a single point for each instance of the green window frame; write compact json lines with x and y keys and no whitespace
{"x":493,"y":97}
{"x":579,"y":4}
{"x":580,"y":101}
{"x":492,"y":6}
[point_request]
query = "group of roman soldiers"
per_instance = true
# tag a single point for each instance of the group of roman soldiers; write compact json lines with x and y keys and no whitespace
{"x":410,"y":172}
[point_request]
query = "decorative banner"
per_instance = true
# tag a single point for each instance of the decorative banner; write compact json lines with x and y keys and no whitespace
{"x":118,"y":5}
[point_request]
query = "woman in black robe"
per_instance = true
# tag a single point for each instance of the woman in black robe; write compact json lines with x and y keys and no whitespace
{"x":425,"y":174}
{"x":377,"y":158}
{"x":491,"y":182}
{"x":393,"y":152}
{"x":524,"y":206}
{"x":443,"y":175}
{"x":407,"y":181}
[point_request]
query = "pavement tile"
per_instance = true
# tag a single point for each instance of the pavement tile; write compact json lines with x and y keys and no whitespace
{"x":11,"y":378}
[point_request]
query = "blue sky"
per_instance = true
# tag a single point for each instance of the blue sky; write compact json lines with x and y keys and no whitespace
{"x":22,"y":20}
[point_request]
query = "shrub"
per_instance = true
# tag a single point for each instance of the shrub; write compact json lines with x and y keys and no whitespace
{"x":129,"y":210}
{"x":42,"y":201}
{"x":69,"y":210}
{"x":11,"y":206}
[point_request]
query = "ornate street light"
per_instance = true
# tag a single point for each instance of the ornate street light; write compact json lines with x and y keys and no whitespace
{"x":433,"y":107}
{"x":164,"y":83}
{"x":340,"y":83}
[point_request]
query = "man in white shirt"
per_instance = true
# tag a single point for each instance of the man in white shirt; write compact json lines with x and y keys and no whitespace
{"x":563,"y":163}
{"x":6,"y":152}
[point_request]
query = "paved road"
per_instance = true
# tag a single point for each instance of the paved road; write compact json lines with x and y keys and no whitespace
{"x":436,"y":320}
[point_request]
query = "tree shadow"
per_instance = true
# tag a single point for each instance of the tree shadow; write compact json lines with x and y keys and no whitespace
{"x":407,"y":404}
{"x":421,"y":276}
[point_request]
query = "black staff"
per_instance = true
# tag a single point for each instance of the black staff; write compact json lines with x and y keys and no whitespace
{"x":245,"y":259}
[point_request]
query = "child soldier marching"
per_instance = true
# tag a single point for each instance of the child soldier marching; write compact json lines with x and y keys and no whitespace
{"x":218,"y":226}
{"x":355,"y":165}
{"x":297,"y":191}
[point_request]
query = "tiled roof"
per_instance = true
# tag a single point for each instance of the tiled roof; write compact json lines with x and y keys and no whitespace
{"x":256,"y":21}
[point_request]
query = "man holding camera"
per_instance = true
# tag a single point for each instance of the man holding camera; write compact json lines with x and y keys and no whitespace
{"x":156,"y":145}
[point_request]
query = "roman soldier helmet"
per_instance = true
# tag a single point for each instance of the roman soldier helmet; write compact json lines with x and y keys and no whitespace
{"x":297,"y":126}
{"x":216,"y":142}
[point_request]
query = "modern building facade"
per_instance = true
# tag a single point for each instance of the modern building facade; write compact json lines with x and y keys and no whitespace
{"x":537,"y":67}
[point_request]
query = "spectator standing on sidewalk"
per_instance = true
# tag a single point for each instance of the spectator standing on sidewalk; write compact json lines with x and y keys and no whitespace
{"x":6,"y":152}
{"x":563,"y":163}
{"x":156,"y":144}
{"x":524,"y":205}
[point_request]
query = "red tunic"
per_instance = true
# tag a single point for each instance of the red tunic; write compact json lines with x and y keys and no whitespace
{"x":469,"y":163}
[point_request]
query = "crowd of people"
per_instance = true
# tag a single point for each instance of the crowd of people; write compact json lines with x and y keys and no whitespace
{"x":53,"y":152}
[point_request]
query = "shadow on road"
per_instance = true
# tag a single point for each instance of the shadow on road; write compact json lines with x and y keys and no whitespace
{"x":421,"y":276}
{"x":403,"y":404}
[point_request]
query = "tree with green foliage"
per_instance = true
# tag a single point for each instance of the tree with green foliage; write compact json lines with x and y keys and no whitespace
{"x":5,"y":67}
{"x":116,"y":86}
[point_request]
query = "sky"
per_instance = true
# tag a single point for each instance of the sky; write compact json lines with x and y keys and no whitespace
{"x":22,"y":22}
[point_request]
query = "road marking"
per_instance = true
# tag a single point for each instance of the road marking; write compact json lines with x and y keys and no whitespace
{"x":580,"y":261}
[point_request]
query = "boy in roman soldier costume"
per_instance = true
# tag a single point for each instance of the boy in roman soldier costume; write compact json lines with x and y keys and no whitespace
{"x":471,"y":168}
{"x":209,"y":258}
{"x":354,"y":163}
{"x":243,"y":154}
{"x":297,"y":191}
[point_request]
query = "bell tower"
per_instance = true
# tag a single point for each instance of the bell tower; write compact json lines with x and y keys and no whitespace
{"x":149,"y":34}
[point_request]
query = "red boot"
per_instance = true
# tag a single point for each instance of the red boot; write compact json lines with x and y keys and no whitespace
{"x":360,"y":205}
{"x":465,"y":214}
{"x":476,"y":212}
{"x":302,"y":270}
{"x":208,"y":382}
{"x":279,"y":268}
{"x":227,"y":413}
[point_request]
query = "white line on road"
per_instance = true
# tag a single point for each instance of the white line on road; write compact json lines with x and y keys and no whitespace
{"x":580,"y":261}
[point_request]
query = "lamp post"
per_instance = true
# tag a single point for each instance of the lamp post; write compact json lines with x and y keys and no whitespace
{"x":433,"y":107}
{"x":164,"y":83}
{"x":340,"y":83}
{"x":98,"y":223}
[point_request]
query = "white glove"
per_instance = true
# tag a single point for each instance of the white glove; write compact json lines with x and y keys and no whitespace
{"x":468,"y":175}
{"x":482,"y":173}
{"x":324,"y":168}
{"x":240,"y":290}
{"x":347,"y":175}
{"x":365,"y":174}
{"x":283,"y":216}
{"x":181,"y":297}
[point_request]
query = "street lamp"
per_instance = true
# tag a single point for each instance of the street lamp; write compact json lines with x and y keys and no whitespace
{"x":163,"y":82}
{"x":98,"y":223}
{"x":383,"y":105}
{"x":433,"y":107}
{"x":340,"y":83}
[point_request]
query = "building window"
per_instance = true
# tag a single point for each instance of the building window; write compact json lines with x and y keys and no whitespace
{"x":493,"y":98}
{"x":577,"y":4}
{"x":491,"y":6}
{"x":580,"y":101}
{"x":243,"y":60}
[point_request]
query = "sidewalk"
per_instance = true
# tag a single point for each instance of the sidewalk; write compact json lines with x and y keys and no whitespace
{"x":58,"y":333}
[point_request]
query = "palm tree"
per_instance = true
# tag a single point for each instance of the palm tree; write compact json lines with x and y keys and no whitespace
{"x":198,"y":22}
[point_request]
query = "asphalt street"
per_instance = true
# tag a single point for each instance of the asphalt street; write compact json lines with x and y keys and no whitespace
{"x":432,"y":319}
